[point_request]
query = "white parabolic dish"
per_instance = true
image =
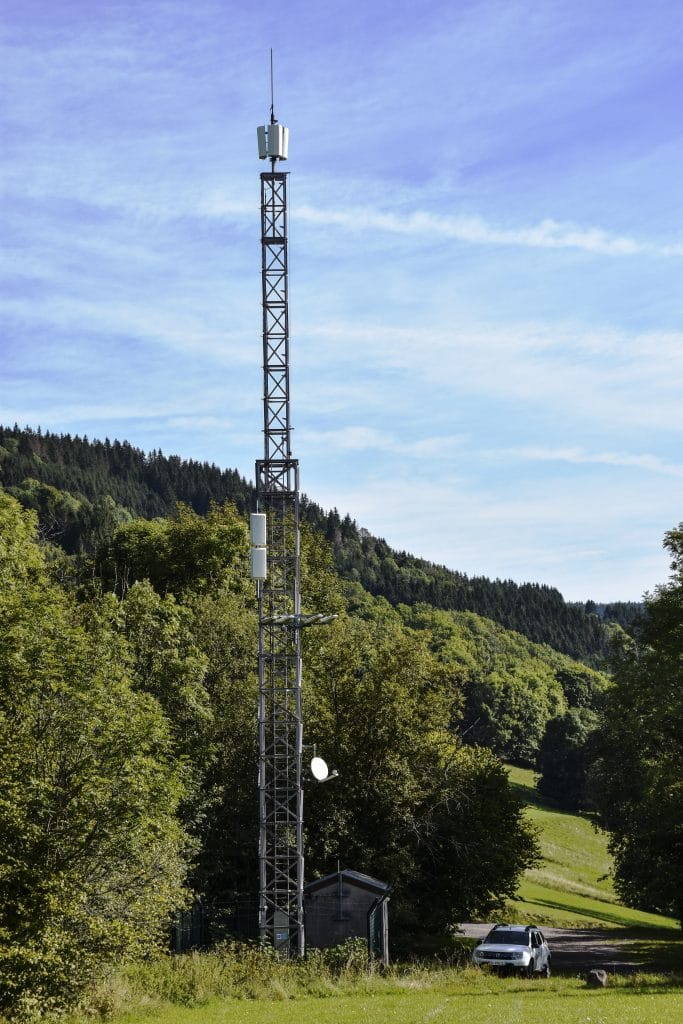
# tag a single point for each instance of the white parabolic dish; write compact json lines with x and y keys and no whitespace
{"x":319,"y":769}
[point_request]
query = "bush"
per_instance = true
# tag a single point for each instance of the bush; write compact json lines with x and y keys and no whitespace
{"x":348,"y":958}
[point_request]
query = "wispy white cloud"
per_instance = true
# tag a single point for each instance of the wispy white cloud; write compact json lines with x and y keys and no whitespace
{"x":362,"y":439}
{"x":173,"y":327}
{"x":594,"y":375}
{"x":173,"y":200}
{"x":472,"y":229}
{"x":579,"y":456}
{"x":474,"y":527}
{"x":69,"y":413}
{"x":547,"y":234}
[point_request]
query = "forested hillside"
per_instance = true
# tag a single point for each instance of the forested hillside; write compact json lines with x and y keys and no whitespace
{"x":128,"y":737}
{"x":82,"y":490}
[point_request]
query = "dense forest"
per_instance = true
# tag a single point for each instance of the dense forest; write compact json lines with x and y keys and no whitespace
{"x":82,"y":490}
{"x":128,"y":698}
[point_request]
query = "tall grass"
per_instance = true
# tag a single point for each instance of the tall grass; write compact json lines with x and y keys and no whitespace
{"x":242,"y":984}
{"x":238,"y":971}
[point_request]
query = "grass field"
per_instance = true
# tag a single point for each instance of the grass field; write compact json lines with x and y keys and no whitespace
{"x":571,"y":887}
{"x":448,"y":997}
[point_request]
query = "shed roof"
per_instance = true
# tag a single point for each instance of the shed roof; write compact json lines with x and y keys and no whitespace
{"x":351,"y":878}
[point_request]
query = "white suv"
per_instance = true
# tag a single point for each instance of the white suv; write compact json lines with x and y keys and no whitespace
{"x":514,"y":947}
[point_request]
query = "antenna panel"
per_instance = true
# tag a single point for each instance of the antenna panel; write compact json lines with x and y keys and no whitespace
{"x":257,"y":529}
{"x":273,"y":141}
{"x":259,"y":563}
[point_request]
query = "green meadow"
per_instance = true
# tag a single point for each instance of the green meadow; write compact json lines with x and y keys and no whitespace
{"x":571,"y":887}
{"x":425,"y":996}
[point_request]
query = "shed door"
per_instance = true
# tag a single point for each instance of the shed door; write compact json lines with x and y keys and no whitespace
{"x":375,"y":930}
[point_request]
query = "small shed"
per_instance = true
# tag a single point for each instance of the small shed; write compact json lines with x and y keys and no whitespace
{"x":348,"y":905}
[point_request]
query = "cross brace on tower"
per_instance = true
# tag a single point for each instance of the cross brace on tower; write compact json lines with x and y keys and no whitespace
{"x":281,"y":863}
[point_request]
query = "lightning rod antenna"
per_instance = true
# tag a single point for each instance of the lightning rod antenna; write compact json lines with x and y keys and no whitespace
{"x":272,"y":90}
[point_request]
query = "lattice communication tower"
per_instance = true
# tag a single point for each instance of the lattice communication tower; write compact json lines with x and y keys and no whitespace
{"x":275,"y":565}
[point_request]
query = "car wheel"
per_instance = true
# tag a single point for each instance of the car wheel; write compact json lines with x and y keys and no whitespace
{"x":529,"y":972}
{"x":546,"y":969}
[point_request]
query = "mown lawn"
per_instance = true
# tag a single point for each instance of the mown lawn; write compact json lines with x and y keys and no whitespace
{"x":479,"y":1000}
{"x":571,"y":887}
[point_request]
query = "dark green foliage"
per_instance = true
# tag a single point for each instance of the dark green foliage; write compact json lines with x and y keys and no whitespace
{"x":471,"y":829}
{"x":69,"y":520}
{"x":564,"y":757}
{"x":150,"y":485}
{"x":620,"y":613}
{"x":639,"y":751}
{"x":188,"y":612}
{"x":582,"y":687}
{"x":168,"y":664}
{"x":411,"y":804}
{"x":146,"y":484}
{"x":537,"y":611}
{"x":187,"y":551}
{"x":90,"y":847}
{"x":510,"y":687}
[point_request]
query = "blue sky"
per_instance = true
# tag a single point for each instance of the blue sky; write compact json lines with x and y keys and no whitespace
{"x":485,"y":246}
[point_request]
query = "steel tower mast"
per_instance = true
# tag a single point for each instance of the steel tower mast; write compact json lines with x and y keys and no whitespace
{"x":275,"y":564}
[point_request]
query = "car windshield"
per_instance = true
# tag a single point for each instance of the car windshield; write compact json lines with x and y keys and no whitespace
{"x":507,"y":937}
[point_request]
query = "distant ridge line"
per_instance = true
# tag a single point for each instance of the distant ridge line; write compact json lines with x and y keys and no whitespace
{"x":149,"y":484}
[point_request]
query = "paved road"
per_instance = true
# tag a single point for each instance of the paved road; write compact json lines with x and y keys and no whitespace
{"x":577,"y":950}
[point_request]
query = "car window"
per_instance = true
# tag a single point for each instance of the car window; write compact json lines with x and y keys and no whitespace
{"x":507,"y":937}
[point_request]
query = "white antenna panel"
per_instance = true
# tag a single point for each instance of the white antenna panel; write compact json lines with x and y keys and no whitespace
{"x":273,"y":141}
{"x":257,"y":529}
{"x":259,"y":563}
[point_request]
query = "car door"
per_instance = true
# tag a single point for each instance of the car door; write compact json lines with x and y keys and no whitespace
{"x":543,"y":955}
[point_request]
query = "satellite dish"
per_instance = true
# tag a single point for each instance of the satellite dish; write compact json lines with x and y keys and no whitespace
{"x":319,"y":769}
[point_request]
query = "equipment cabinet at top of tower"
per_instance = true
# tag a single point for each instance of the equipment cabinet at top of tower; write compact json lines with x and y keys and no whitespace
{"x":273,"y":141}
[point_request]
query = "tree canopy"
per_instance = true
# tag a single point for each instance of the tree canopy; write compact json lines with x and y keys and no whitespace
{"x":92,"y":855}
{"x":638,"y":774}
{"x":564,"y":757}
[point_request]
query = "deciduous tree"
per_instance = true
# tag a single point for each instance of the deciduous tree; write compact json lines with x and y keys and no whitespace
{"x":638,"y":774}
{"x":91,"y":851}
